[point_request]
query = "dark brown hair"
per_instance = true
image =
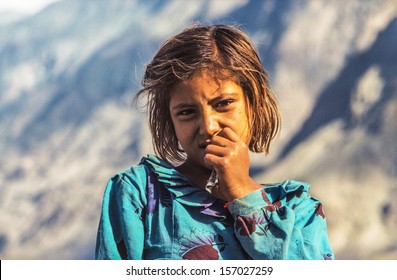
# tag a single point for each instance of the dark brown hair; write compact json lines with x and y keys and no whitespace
{"x":227,"y":53}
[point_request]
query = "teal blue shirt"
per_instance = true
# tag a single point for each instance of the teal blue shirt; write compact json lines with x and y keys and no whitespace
{"x":150,"y":211}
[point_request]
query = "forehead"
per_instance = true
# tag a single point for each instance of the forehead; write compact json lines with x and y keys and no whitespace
{"x":204,"y":86}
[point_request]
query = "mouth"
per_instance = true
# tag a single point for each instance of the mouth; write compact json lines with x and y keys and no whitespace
{"x":204,"y":145}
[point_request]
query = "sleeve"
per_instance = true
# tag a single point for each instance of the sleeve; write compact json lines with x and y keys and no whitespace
{"x":281,"y":222}
{"x":121,"y":228}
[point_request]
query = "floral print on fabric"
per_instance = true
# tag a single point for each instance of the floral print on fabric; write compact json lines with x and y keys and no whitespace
{"x":151,"y":211}
{"x":200,"y":245}
{"x":319,"y":210}
{"x":270,"y":206}
{"x":156,"y":194}
{"x":247,"y":225}
{"x":328,"y":257}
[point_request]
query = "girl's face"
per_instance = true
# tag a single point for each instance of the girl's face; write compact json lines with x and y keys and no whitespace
{"x":203,"y":106}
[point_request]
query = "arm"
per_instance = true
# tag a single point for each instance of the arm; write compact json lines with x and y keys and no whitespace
{"x":121,"y":231}
{"x":281,"y":222}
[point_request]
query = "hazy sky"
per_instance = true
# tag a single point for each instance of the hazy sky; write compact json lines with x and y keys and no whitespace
{"x":24,"y":6}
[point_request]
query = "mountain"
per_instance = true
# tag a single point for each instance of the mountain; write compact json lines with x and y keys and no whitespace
{"x":69,"y":73}
{"x":346,"y":147}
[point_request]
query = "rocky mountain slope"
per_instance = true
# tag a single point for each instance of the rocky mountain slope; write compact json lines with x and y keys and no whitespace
{"x":68,"y":75}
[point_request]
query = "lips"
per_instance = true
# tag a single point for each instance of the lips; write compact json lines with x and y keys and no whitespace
{"x":204,"y":145}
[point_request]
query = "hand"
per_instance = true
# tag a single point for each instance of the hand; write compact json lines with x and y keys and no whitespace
{"x":228,"y":155}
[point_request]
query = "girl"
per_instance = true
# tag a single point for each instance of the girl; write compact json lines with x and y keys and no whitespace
{"x":209,"y":103}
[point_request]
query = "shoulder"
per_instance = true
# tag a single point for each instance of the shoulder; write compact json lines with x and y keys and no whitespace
{"x":132,"y":182}
{"x":295,"y":195}
{"x":132,"y":176}
{"x":129,"y":184}
{"x":289,"y":192}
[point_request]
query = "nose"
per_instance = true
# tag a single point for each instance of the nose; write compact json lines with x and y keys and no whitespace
{"x":209,"y":125}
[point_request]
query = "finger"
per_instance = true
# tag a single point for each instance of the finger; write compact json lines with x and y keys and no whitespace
{"x":220,"y":140}
{"x":229,"y":134}
{"x":216,"y":149}
{"x":212,"y":161}
{"x":220,"y":159}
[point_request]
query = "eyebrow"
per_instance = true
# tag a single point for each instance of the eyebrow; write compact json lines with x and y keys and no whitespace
{"x":183,"y":106}
{"x":213,"y":100}
{"x":223,"y":96}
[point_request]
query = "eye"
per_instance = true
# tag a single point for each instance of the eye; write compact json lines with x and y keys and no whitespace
{"x":185,"y":112}
{"x":223,"y":103}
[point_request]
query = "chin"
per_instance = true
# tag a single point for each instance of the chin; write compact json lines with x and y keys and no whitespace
{"x":198,"y":162}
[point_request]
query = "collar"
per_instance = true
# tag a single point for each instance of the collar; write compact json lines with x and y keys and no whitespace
{"x":183,"y":189}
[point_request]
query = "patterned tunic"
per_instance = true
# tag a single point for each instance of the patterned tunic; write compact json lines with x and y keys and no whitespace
{"x":150,"y":211}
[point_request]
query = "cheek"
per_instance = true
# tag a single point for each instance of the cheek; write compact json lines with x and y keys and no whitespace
{"x":182,"y":132}
{"x":244,"y":126}
{"x":175,"y":128}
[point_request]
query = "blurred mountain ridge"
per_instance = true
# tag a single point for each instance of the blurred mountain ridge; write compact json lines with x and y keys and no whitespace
{"x":339,"y":94}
